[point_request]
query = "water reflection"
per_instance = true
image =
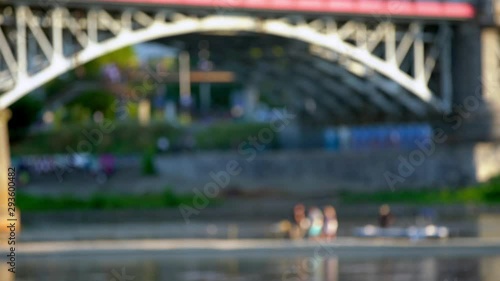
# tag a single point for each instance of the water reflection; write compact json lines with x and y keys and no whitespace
{"x":259,"y":269}
{"x":490,"y":269}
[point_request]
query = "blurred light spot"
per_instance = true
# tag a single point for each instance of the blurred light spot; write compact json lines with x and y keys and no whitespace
{"x":278,"y":51}
{"x":430,"y":230}
{"x":237,"y":111}
{"x":48,"y":117}
{"x":98,"y":117}
{"x":370,"y":230}
{"x":163,"y":144}
{"x":443,"y":232}
{"x":256,"y":53}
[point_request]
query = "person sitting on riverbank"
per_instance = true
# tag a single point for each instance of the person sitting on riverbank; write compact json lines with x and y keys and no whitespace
{"x":331,"y":224}
{"x":316,"y":220}
{"x":386,"y":218}
{"x":300,"y":222}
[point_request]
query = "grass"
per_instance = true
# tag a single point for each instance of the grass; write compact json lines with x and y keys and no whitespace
{"x":486,"y":193}
{"x":166,"y":199}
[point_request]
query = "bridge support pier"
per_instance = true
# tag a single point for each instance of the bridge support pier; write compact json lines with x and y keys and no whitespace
{"x":491,"y":65}
{"x":466,"y":66}
{"x":5,"y":115}
{"x":471,"y":119}
{"x":490,"y":83}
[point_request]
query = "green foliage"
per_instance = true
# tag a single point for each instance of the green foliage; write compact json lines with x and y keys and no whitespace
{"x":230,"y":135}
{"x":488,"y":192}
{"x":148,"y":165}
{"x":123,"y":58}
{"x":130,"y":137}
{"x":56,"y":86}
{"x":24,"y":113}
{"x":170,"y":199}
{"x":90,"y":102}
{"x":60,"y":116}
{"x":167,"y":199}
{"x":119,"y":138}
{"x":98,"y":100}
{"x":492,"y":190}
{"x":78,"y":114}
{"x":132,"y":110}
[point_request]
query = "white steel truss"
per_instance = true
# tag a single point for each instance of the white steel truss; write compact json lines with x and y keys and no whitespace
{"x":37,"y":46}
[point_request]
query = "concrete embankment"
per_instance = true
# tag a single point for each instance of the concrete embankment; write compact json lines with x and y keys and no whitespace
{"x":300,"y":173}
{"x":247,"y":248}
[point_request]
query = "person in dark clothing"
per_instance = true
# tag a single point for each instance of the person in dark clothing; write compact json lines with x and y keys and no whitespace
{"x":385,"y":216}
{"x":300,"y":222}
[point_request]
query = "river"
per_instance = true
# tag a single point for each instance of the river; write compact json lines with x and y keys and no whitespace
{"x":258,"y":268}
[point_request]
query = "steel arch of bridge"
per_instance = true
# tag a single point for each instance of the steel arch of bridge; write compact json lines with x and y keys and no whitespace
{"x":62,"y":39}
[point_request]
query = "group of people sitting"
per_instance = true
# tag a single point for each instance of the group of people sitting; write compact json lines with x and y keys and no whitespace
{"x":316,"y":224}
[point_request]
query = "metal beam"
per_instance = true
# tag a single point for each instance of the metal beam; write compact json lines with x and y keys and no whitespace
{"x":368,"y":89}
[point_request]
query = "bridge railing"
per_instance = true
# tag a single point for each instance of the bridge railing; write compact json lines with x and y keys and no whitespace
{"x":448,"y":8}
{"x":284,"y":3}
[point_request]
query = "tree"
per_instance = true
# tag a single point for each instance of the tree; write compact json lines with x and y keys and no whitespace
{"x":24,"y":113}
{"x":124,"y":58}
{"x":96,"y":100}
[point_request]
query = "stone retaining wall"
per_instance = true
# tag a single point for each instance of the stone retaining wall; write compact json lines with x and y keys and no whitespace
{"x":304,"y":172}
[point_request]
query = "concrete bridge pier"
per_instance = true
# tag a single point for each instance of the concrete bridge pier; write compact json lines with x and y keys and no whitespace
{"x":4,"y":179}
{"x":476,"y":85}
{"x":491,"y":74}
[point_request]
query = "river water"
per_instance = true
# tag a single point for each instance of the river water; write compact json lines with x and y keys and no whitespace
{"x":286,"y":268}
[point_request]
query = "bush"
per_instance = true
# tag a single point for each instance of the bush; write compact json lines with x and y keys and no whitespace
{"x":93,"y":101}
{"x":230,"y":136}
{"x":24,"y":113}
{"x":130,"y":137}
{"x":491,"y":190}
{"x":100,"y":201}
{"x":122,"y":138}
{"x":170,"y":199}
{"x":148,"y":165}
{"x":488,"y":192}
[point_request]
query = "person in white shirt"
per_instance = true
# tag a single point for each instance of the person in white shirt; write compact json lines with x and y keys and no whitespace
{"x":331,"y":224}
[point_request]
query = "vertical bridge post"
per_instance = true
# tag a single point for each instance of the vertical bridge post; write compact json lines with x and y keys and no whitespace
{"x":5,"y":115}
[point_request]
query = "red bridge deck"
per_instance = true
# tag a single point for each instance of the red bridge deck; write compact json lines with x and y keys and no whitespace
{"x":424,"y":9}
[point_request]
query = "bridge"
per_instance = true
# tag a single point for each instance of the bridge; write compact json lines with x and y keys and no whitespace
{"x":436,"y":9}
{"x":389,"y":59}
{"x":39,"y":44}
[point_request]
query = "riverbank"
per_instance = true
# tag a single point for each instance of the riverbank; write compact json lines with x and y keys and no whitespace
{"x":198,"y":230}
{"x":484,"y":194}
{"x":252,"y":209}
{"x":210,"y":248}
{"x":238,"y":218}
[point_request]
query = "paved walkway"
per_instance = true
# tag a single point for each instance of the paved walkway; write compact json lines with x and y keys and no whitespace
{"x":50,"y":231}
{"x":265,"y":247}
